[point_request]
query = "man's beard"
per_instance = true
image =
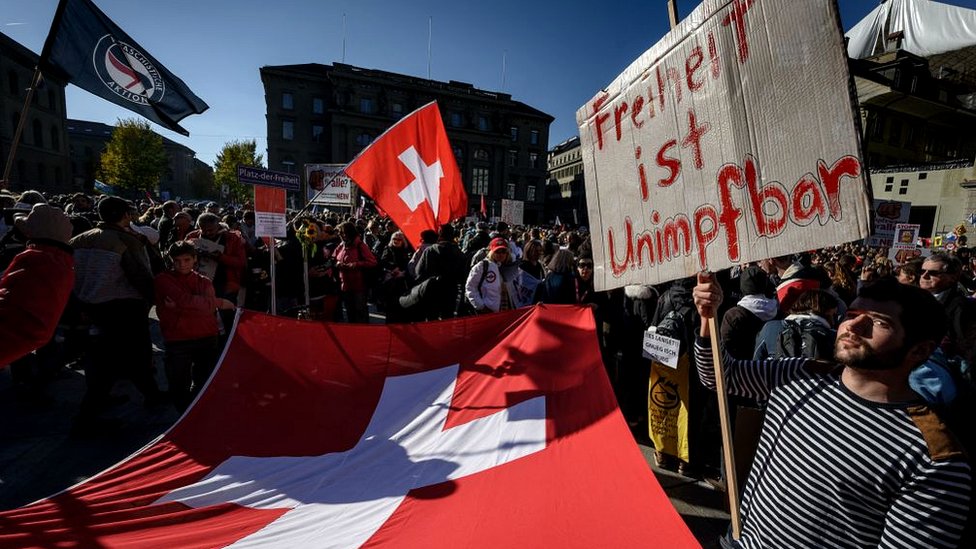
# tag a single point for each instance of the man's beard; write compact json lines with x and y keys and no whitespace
{"x":863,"y":357}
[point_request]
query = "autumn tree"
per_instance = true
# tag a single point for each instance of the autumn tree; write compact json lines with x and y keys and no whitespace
{"x":134,"y":158}
{"x":236,"y":153}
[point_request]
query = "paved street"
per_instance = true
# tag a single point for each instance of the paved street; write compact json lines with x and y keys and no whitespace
{"x":39,"y":456}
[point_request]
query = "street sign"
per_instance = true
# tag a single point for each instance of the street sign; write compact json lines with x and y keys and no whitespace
{"x":248,"y":175}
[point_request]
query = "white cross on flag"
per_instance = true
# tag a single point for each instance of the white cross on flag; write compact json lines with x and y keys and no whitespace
{"x":484,"y":432}
{"x":411,"y":174}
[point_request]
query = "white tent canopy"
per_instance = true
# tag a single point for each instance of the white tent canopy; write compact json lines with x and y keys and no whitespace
{"x":928,"y":28}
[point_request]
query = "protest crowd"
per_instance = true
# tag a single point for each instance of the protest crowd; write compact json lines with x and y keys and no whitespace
{"x":190,"y":265}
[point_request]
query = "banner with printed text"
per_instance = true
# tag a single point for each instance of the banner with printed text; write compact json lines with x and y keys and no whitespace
{"x":732,"y":139}
{"x":327,"y":188}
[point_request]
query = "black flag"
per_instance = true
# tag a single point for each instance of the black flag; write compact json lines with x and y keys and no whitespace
{"x":87,"y":49}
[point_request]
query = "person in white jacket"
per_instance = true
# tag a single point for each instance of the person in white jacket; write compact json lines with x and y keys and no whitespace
{"x":485,"y":288}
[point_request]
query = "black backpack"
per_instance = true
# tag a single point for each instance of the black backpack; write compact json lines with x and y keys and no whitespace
{"x":675,"y":325}
{"x":804,"y":338}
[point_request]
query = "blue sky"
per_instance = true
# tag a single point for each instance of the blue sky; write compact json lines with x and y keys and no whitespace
{"x":558,"y":54}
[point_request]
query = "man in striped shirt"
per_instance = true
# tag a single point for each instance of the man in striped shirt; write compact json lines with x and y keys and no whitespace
{"x":849,"y":455}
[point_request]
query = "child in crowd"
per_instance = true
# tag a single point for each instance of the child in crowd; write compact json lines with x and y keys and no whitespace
{"x":186,"y":306}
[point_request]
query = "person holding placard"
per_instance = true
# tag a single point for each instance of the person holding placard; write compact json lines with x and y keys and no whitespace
{"x":850,"y":455}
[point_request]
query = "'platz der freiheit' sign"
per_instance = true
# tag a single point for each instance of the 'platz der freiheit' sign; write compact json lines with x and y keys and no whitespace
{"x":731,"y":140}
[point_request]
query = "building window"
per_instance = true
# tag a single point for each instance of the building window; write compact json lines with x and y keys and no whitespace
{"x":397,"y":110}
{"x":510,"y":191}
{"x":888,"y":188}
{"x":479,"y":181}
{"x":513,"y":158}
{"x":923,"y":175}
{"x":318,"y":105}
{"x":530,"y":193}
{"x":534,"y":137}
{"x":55,"y":138}
{"x":481,"y":154}
{"x":458,"y":154}
{"x":514,"y":132}
{"x":38,"y":134}
{"x":483,"y":124}
{"x":12,"y":83}
{"x":318,"y":130}
{"x":287,"y":130}
{"x":364,"y":139}
{"x":903,"y":188}
{"x":366,"y":105}
{"x":287,"y":101}
{"x":456,"y":120}
{"x":533,"y":160}
{"x":288,"y":166}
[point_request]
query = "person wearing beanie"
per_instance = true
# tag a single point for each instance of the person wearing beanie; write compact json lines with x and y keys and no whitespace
{"x":485,"y":289}
{"x":742,"y":323}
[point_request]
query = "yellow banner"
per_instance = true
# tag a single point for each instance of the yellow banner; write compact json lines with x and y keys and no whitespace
{"x":667,"y":408}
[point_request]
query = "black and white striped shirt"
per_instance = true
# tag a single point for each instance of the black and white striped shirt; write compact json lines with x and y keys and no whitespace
{"x":836,"y":470}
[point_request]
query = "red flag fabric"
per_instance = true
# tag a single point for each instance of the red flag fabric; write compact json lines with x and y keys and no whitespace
{"x":490,"y":431}
{"x":484,"y":208}
{"x":410,"y":172}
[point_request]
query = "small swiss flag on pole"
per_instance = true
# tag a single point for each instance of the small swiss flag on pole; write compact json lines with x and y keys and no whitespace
{"x":410,"y":173}
{"x":484,"y":208}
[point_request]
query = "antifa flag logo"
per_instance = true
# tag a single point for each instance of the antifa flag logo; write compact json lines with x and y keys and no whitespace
{"x":127,"y":72}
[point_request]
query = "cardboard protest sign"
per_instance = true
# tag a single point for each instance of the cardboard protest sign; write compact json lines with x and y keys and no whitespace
{"x":731,"y":140}
{"x":513,"y":211}
{"x":887,"y":214}
{"x":269,"y":212}
{"x":335,"y":190}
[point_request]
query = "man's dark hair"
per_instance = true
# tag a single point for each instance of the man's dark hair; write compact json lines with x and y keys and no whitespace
{"x":951,"y":262}
{"x":112,"y":209}
{"x":207,"y":219}
{"x":445,"y":233}
{"x":428,"y":236}
{"x":182,"y":247}
{"x":922,"y":316}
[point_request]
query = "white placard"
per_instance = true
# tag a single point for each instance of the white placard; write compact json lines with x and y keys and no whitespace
{"x":513,"y":211}
{"x":336,"y":191}
{"x":270,"y":224}
{"x":731,"y":140}
{"x":661,"y":348}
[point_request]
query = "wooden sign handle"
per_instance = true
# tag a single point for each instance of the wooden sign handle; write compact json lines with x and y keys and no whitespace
{"x":732,"y":484}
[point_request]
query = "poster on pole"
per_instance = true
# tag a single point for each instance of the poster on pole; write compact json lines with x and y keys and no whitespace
{"x":325,"y":188}
{"x":905,"y":246}
{"x":733,"y":139}
{"x":887,"y":215}
{"x":269,"y":212}
{"x":513,"y":211}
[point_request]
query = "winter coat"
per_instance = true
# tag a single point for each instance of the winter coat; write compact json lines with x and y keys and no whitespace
{"x":486,"y":292}
{"x":231,"y":264}
{"x":194,"y":316}
{"x":33,"y":293}
{"x":111,"y":263}
{"x":358,"y":258}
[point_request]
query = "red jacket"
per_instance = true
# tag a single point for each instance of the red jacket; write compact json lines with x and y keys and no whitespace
{"x":360,"y":258}
{"x":194,"y":315}
{"x":33,"y":293}
{"x":233,"y":261}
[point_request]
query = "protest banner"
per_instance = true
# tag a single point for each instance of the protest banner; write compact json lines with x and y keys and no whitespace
{"x":326,"y":185}
{"x":733,"y":139}
{"x":269,"y":212}
{"x":905,"y":246}
{"x":513,"y":211}
{"x":491,"y":431}
{"x":887,"y":214}
{"x":667,"y":408}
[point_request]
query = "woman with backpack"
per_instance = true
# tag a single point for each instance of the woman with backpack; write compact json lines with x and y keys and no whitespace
{"x":485,"y":289}
{"x":808,"y":331}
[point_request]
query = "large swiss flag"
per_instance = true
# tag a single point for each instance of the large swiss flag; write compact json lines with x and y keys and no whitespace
{"x":411,"y":174}
{"x":490,"y":431}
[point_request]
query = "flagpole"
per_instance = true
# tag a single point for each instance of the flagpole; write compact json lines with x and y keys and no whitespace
{"x":731,"y":482}
{"x":430,"y":34}
{"x":35,"y":80}
{"x":343,"y":38}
